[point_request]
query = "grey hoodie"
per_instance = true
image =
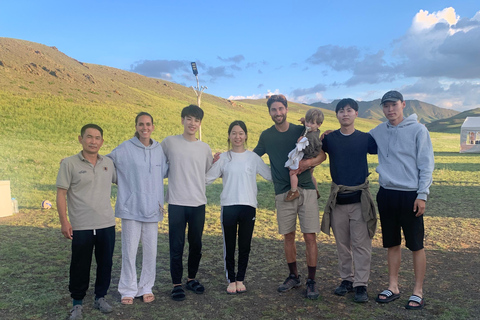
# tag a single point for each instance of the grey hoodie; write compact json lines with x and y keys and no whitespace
{"x":140,"y":173}
{"x":405,"y":156}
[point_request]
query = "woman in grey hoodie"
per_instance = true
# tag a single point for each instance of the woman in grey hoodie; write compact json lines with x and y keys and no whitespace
{"x":141,"y":166}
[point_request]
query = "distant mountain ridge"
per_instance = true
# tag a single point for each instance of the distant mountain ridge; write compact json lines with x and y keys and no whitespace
{"x":453,"y":124}
{"x":426,"y":112}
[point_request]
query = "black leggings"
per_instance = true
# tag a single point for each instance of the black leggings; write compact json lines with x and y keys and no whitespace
{"x":231,"y":217}
{"x":178,"y":218}
{"x":83,"y":244}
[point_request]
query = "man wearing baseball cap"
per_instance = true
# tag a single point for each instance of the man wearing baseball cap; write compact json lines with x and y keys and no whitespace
{"x":405,"y":157}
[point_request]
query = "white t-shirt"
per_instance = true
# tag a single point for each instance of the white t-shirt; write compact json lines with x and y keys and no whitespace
{"x":239,"y":175}
{"x":188,"y":162}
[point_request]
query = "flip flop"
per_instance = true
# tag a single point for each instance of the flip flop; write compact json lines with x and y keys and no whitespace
{"x":389,"y":296}
{"x":242,"y":289}
{"x":148,"y":297}
{"x":231,"y":292}
{"x":420,"y":303}
{"x":127,"y":300}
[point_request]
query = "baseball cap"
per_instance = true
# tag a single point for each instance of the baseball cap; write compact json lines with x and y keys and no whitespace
{"x":392,"y":96}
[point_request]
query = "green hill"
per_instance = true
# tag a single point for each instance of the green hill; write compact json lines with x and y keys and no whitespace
{"x":43,"y":88}
{"x":453,"y":124}
{"x":371,"y":110}
{"x":46,"y":97}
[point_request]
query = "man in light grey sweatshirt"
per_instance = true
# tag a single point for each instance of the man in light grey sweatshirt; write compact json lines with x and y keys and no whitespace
{"x":405,"y":157}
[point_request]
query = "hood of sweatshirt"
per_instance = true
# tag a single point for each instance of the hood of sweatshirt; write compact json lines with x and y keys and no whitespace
{"x":405,"y":156}
{"x":147,"y":150}
{"x":393,"y":130}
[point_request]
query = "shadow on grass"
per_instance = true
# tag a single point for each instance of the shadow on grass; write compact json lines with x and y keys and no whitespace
{"x":454,"y":154}
{"x":456,"y":201}
{"x":45,"y":187}
{"x":34,"y":263}
{"x":457,"y":166}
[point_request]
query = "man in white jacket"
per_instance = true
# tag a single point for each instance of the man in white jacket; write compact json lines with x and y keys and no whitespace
{"x":405,"y":157}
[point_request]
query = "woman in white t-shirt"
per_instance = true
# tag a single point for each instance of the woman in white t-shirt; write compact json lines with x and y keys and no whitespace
{"x":238,"y":168}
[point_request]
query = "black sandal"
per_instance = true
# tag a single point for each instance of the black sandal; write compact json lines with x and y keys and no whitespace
{"x":195,"y":286}
{"x":178,"y":294}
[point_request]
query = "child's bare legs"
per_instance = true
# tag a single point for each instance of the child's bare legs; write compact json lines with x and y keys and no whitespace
{"x":314,"y":182}
{"x":293,"y":193}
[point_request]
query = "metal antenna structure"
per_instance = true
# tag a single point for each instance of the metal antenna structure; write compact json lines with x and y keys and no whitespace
{"x":198,"y":91}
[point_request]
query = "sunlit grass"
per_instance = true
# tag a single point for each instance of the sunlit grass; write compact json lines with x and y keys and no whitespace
{"x":36,"y":133}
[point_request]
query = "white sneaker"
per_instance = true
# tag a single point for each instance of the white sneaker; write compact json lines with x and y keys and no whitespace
{"x":102,"y":305}
{"x":76,"y":312}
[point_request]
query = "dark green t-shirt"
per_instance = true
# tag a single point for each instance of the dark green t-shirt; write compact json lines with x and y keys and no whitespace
{"x":277,"y":145}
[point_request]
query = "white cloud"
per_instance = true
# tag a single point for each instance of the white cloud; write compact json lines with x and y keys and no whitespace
{"x":440,"y":44}
{"x":257,"y":96}
{"x":160,"y":68}
{"x":476,"y":16}
{"x":373,"y":68}
{"x":424,"y":20}
{"x":310,"y":98}
{"x":302,"y":92}
{"x":437,"y":44}
{"x":459,"y":95}
{"x":218,"y":72}
{"x":338,"y":58}
{"x":238,"y":58}
{"x":253,"y":96}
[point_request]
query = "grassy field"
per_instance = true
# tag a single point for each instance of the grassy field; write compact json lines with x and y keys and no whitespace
{"x":34,"y":256}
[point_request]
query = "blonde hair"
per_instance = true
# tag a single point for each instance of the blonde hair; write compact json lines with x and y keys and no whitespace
{"x":314,"y":115}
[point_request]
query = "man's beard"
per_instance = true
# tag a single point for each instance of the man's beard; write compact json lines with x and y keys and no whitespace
{"x":281,"y":121}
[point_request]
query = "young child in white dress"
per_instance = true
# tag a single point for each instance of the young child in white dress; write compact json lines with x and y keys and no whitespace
{"x":308,"y":146}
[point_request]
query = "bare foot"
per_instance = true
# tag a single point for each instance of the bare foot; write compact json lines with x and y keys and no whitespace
{"x":241,"y":287}
{"x":127,"y":300}
{"x":149,"y":297}
{"x":232,"y":288}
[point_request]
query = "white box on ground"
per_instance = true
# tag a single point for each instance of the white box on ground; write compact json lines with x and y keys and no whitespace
{"x":6,"y":208}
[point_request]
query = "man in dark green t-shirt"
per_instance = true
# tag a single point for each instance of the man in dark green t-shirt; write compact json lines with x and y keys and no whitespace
{"x":277,"y":141}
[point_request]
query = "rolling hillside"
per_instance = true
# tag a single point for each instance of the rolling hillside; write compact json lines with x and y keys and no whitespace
{"x":43,"y":89}
{"x":371,"y":110}
{"x":453,"y":124}
{"x":46,"y":97}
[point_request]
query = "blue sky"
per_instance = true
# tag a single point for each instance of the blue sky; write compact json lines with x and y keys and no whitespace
{"x":308,"y":50}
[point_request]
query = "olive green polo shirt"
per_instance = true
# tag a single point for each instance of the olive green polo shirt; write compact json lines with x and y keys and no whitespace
{"x":88,"y":191}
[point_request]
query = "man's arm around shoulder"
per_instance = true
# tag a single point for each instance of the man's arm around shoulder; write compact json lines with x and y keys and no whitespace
{"x":307,"y":164}
{"x":260,"y":148}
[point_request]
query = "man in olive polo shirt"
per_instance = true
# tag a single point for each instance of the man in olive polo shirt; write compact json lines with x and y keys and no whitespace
{"x":84,"y":181}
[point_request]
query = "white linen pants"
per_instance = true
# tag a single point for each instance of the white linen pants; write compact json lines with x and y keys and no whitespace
{"x":132,"y":232}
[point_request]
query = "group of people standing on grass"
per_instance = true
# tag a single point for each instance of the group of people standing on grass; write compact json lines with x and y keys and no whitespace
{"x":139,"y":165}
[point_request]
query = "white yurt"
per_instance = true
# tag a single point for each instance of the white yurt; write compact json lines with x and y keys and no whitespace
{"x":470,"y":135}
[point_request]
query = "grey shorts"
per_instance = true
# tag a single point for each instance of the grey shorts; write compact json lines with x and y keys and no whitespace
{"x":305,"y":206}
